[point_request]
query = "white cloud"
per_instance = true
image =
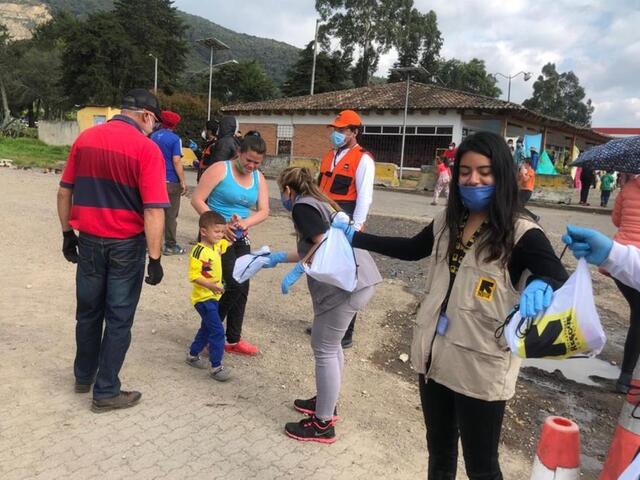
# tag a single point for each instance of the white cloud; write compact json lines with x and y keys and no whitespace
{"x":597,"y":39}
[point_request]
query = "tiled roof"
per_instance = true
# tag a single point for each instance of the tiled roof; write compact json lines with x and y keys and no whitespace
{"x":388,"y":96}
{"x":391,"y":96}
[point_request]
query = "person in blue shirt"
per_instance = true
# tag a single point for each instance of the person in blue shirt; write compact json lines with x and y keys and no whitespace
{"x":534,"y":158}
{"x":171,"y":147}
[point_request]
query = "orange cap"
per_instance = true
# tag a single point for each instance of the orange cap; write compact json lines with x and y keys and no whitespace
{"x":346,"y":118}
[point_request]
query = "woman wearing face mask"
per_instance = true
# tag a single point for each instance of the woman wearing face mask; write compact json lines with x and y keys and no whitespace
{"x":487,"y":256}
{"x":233,"y":188}
{"x":333,"y":308}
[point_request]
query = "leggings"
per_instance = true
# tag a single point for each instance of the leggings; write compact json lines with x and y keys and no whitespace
{"x":326,"y":333}
{"x":449,"y":415}
{"x":632,"y":343}
{"x":234,"y":299}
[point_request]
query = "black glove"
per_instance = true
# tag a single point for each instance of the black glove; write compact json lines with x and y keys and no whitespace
{"x":154,"y":272}
{"x":70,"y":246}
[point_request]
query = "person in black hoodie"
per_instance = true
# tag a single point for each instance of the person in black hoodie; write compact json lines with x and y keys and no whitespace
{"x":587,"y":178}
{"x":226,"y":148}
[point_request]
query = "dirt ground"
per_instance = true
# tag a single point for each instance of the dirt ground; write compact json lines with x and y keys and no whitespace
{"x":382,"y":430}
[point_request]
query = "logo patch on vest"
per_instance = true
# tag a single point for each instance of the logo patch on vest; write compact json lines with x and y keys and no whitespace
{"x":345,"y":166}
{"x":485,"y":289}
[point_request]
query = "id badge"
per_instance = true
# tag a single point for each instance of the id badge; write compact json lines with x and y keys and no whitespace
{"x":443,"y":323}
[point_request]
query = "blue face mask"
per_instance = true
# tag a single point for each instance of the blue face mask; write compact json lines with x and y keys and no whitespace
{"x":477,"y":198}
{"x":287,"y":203}
{"x":338,"y":139}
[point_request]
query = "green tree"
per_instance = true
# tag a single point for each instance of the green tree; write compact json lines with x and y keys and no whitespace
{"x":333,"y":72}
{"x":97,"y":59}
{"x":468,"y":76}
{"x":5,"y":113}
{"x":242,"y":82}
{"x":369,"y":25}
{"x":154,"y":28}
{"x":560,"y":95}
{"x":192,"y":109}
{"x":418,"y":41}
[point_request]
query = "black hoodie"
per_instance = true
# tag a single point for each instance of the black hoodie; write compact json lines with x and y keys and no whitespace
{"x":227,"y":145}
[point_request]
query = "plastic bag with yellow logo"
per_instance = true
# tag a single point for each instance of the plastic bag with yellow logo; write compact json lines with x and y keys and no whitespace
{"x":569,"y":327}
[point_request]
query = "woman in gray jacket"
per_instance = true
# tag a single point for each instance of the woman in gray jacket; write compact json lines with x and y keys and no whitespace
{"x":333,"y":308}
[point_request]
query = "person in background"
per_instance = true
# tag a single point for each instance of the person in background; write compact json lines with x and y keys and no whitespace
{"x":233,"y":188}
{"x":587,"y":180}
{"x":518,"y":155}
{"x":626,"y":216}
{"x":526,"y":181}
{"x":487,"y":257}
{"x":534,"y":158}
{"x":512,"y":149}
{"x":171,"y":148}
{"x":347,"y":173}
{"x":227,"y":145}
{"x":606,"y":186}
{"x":209,"y":136}
{"x":450,"y":153}
{"x":113,"y":191}
{"x":442,"y":183}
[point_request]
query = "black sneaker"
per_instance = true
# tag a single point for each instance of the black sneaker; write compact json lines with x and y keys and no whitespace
{"x":346,"y":342}
{"x":308,"y":407}
{"x":312,"y":429}
{"x":122,"y":400}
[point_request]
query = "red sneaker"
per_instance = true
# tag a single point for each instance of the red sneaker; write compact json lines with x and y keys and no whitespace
{"x":241,"y":348}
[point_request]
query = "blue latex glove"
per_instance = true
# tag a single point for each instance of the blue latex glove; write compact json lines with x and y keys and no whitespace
{"x":193,"y":145}
{"x":341,"y":221}
{"x":535,"y":298}
{"x":292,"y":277}
{"x":589,"y":244}
{"x":275,"y":258}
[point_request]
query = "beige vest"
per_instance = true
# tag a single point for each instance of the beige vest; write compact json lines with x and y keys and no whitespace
{"x":468,"y":358}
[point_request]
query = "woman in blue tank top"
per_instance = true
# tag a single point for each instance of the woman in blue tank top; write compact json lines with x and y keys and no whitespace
{"x":237,"y":191}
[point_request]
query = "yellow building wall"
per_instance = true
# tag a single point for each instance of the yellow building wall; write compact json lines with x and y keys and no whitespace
{"x":89,"y":116}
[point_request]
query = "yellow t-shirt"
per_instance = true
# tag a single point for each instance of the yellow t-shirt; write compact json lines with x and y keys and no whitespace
{"x":205,"y":262}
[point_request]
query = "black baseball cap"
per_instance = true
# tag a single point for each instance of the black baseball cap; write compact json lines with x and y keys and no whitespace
{"x":139,"y":98}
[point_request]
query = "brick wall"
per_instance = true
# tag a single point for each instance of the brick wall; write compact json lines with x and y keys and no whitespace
{"x":310,"y":141}
{"x":268,"y":132}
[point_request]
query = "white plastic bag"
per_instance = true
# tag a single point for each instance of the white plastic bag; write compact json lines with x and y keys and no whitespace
{"x":569,"y":327}
{"x":248,"y":265}
{"x":334,"y":261}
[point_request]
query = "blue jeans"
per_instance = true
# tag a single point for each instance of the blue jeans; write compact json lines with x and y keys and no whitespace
{"x":211,"y":331}
{"x":108,"y":285}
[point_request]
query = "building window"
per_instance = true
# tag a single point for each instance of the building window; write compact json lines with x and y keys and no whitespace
{"x":284,"y":147}
{"x":445,"y":130}
{"x":391,"y":130}
{"x":426,"y":130}
{"x":285,"y":131}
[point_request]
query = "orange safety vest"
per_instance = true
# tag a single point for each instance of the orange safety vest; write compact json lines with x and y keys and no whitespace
{"x":340,"y":184}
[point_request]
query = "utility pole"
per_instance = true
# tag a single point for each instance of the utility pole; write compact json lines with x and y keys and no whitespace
{"x":315,"y":54}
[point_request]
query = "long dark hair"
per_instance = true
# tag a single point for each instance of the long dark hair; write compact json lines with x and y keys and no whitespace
{"x":498,"y":238}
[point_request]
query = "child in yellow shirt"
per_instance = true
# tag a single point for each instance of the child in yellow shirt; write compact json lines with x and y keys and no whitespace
{"x":205,"y":272}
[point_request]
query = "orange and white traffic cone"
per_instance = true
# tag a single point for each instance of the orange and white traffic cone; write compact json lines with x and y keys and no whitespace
{"x":626,"y":439}
{"x":558,"y":453}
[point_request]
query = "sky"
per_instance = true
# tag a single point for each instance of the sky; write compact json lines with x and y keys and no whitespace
{"x":597,"y":39}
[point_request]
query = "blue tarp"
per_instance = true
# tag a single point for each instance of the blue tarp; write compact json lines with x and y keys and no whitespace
{"x":532,"y":141}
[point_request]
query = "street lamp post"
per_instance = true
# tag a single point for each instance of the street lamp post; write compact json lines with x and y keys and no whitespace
{"x":213,"y":44}
{"x":526,"y":76}
{"x":155,"y":74}
{"x":315,"y":54}
{"x":408,"y":71}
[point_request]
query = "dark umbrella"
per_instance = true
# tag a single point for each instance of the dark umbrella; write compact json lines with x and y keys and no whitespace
{"x":620,"y":155}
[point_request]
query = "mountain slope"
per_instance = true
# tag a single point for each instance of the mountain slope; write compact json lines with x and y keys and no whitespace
{"x":274,"y":57}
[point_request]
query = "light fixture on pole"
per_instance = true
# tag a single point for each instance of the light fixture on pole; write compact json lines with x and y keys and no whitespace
{"x":213,"y":44}
{"x":315,"y":54}
{"x":408,"y":71}
{"x":155,"y":74}
{"x":526,"y":75}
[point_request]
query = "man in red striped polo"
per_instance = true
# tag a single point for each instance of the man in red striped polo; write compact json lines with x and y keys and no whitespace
{"x":113,"y":191}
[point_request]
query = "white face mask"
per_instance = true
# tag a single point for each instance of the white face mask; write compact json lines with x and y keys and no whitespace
{"x":204,"y":134}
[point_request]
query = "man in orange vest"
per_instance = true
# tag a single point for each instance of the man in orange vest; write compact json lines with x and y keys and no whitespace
{"x":346,"y":176}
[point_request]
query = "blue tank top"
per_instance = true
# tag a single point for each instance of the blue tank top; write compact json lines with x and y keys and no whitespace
{"x":230,"y":197}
